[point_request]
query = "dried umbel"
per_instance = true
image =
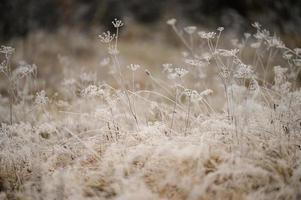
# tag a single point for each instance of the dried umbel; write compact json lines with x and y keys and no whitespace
{"x":190,"y":29}
{"x":41,"y":98}
{"x":133,"y":67}
{"x":7,"y":50}
{"x":106,"y":37}
{"x":92,"y":91}
{"x":207,"y":35}
{"x":117,"y":23}
{"x":180,"y":72}
{"x":244,"y":71}
{"x":171,"y":21}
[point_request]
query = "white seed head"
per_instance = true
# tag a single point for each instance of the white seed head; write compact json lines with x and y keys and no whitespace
{"x":190,"y":29}
{"x":117,"y":23}
{"x":171,"y":21}
{"x":207,"y":35}
{"x":6,"y":50}
{"x":220,"y":29}
{"x":41,"y":98}
{"x":133,"y":67}
{"x":180,"y":72}
{"x":106,"y":37}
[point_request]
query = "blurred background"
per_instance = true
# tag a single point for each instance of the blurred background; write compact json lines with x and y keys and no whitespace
{"x":54,"y":34}
{"x":20,"y":17}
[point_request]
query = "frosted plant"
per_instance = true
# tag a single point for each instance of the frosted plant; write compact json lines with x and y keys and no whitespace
{"x":133,"y":67}
{"x":206,"y":93}
{"x":228,"y":53}
{"x":114,"y":52}
{"x":180,"y":72}
{"x":106,"y":37}
{"x":197,"y":62}
{"x":92,"y":91}
{"x":207,"y":35}
{"x":220,"y":29}
{"x":281,"y":84}
{"x":18,"y":79}
{"x":5,"y":68}
{"x":117,"y":23}
{"x":89,"y":148}
{"x":244,"y":71}
{"x":167,"y":67}
{"x":7,"y":50}
{"x":171,"y":21}
{"x":190,"y":29}
{"x":41,"y":98}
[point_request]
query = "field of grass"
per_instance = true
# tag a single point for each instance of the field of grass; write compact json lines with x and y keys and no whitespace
{"x":140,"y":119}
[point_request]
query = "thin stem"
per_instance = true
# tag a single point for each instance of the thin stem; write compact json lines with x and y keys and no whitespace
{"x":182,"y":38}
{"x":174,"y":109}
{"x":188,"y":115}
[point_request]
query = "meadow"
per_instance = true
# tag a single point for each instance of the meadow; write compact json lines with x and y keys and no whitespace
{"x":220,"y":119}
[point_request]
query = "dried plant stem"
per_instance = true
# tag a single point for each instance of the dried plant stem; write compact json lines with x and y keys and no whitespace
{"x":122,"y":84}
{"x":174,"y":109}
{"x":188,"y":115}
{"x":182,"y":38}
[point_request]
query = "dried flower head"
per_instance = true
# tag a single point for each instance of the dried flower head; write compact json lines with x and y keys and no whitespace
{"x":41,"y":98}
{"x":133,"y":67}
{"x":167,"y":67}
{"x":180,"y":72}
{"x":228,"y":53}
{"x":207,"y":35}
{"x":196,"y":62}
{"x":92,"y":91}
{"x":6,"y":50}
{"x":106,"y":37}
{"x":244,"y":71}
{"x":171,"y":21}
{"x":190,"y":29}
{"x":220,"y":29}
{"x":206,"y":93}
{"x":117,"y":23}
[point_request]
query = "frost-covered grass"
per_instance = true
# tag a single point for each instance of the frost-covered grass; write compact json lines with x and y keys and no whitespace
{"x":216,"y":126}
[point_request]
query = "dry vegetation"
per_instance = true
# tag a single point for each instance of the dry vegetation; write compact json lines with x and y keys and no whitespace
{"x":217,"y":124}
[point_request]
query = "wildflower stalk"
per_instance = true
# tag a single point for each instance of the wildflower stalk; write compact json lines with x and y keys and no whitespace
{"x":7,"y":71}
{"x":122,"y":78}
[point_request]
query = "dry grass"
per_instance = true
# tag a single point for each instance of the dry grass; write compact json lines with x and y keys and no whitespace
{"x":88,"y":137}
